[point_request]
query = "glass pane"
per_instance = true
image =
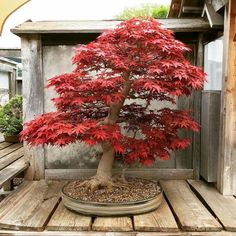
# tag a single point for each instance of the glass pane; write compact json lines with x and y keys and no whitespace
{"x":213,"y":64}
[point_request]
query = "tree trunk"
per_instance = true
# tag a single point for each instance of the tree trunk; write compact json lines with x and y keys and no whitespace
{"x":104,"y":169}
{"x":103,"y":177}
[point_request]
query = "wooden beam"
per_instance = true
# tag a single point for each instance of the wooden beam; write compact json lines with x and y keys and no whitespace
{"x":46,"y":27}
{"x":197,"y":98}
{"x":174,"y":8}
{"x":152,"y":173}
{"x":33,"y":98}
{"x":219,"y":4}
{"x":215,"y":19}
{"x":193,"y":10}
{"x":6,"y":68}
{"x":227,"y":166}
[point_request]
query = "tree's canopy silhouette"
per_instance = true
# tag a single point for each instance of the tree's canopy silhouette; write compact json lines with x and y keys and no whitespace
{"x":109,"y":98}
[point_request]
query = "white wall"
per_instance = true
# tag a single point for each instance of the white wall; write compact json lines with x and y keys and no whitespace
{"x":4,"y":87}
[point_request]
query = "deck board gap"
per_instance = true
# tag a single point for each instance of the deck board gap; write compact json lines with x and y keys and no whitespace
{"x":51,"y":213}
{"x":198,"y":195}
{"x":172,"y":210}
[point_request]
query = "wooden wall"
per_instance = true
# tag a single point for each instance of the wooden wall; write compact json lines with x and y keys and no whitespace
{"x":44,"y":57}
{"x":227,"y":156}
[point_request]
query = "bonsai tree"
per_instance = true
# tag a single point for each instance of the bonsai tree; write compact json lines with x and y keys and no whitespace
{"x":109,"y":98}
{"x":11,"y":117}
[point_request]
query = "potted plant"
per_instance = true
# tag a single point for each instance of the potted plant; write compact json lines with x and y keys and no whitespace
{"x":11,"y":119}
{"x":109,"y":100}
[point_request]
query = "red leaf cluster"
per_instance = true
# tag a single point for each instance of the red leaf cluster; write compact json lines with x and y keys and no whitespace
{"x":155,"y":64}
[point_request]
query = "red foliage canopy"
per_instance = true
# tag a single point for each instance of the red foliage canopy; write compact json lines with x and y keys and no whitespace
{"x":143,"y":53}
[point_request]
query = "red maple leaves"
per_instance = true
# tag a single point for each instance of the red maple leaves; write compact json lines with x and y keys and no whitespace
{"x":157,"y":70}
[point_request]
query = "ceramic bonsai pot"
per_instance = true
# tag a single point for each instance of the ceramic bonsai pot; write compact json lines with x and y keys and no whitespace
{"x":111,"y":209}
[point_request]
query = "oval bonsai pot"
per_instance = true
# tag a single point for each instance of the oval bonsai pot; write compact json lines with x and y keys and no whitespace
{"x":11,"y":138}
{"x":111,"y":209}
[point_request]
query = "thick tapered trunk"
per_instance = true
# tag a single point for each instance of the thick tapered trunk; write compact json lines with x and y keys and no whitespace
{"x":104,"y":170}
{"x":103,"y":177}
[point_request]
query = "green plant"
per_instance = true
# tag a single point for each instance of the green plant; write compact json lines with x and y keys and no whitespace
{"x":145,"y":11}
{"x":11,"y":117}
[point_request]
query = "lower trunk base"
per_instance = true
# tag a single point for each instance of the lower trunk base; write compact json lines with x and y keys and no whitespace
{"x":97,"y":182}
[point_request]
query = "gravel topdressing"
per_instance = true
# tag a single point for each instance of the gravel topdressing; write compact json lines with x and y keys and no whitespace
{"x":136,"y":190}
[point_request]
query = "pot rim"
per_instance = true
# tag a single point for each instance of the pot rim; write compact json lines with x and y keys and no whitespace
{"x":64,"y":195}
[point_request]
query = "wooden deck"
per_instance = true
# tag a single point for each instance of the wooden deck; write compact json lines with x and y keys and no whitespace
{"x":189,"y":208}
{"x":12,"y":162}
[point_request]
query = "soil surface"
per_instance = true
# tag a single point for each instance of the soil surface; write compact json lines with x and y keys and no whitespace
{"x":135,"y":189}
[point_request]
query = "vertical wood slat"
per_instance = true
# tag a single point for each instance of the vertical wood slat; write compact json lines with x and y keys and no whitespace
{"x":197,"y":97}
{"x":210,"y":123}
{"x":33,"y":98}
{"x":226,"y":182}
{"x":184,"y":158}
{"x":190,"y":212}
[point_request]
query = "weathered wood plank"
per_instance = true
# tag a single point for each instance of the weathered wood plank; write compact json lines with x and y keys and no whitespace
{"x":64,"y":219}
{"x":4,"y":145}
{"x":10,"y":149}
{"x":112,"y":224}
{"x":197,"y":98}
{"x":74,"y":233}
{"x":177,"y":25}
{"x":13,"y":170}
{"x":224,"y":207}
{"x":215,"y":19}
{"x":159,"y":220}
{"x":227,"y":165}
{"x":218,"y":4}
{"x":8,"y":159}
{"x":221,"y":233}
{"x":33,"y":87}
{"x":13,"y":197}
{"x":31,"y":209}
{"x":155,"y":173}
{"x":190,"y":212}
{"x":210,"y":134}
{"x":184,"y":158}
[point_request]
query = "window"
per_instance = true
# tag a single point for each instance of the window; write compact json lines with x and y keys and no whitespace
{"x":213,"y":57}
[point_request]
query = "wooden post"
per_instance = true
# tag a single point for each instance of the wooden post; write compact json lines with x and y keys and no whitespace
{"x":33,"y":98}
{"x":197,"y":98}
{"x":226,"y":182}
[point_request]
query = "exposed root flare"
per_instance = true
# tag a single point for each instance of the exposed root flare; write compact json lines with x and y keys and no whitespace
{"x":97,"y":182}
